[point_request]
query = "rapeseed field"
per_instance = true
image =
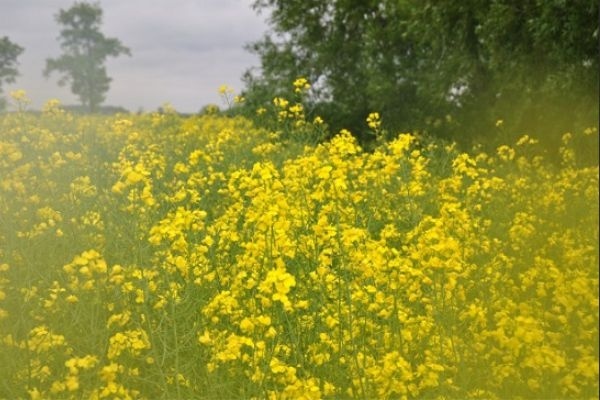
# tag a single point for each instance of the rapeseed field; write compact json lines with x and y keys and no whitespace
{"x":160,"y":256}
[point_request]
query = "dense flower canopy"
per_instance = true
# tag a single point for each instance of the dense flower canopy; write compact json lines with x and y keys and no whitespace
{"x":202,"y":257}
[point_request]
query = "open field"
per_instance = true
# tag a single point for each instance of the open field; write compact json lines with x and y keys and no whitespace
{"x":156,"y":256}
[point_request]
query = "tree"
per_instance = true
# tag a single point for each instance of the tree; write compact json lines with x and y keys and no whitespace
{"x":9,"y":52}
{"x":450,"y":67}
{"x":85,"y":50}
{"x":532,"y":63}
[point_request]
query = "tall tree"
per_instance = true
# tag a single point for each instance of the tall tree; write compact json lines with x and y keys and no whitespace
{"x":451,"y":67}
{"x":9,"y":52}
{"x":85,"y":50}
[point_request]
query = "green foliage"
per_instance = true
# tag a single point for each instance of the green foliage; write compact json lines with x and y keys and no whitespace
{"x":85,"y":52}
{"x":9,"y":52}
{"x":532,"y":63}
{"x":452,"y":68}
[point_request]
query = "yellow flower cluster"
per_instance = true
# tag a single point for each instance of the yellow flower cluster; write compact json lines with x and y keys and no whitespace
{"x":374,"y":120}
{"x":291,"y":120}
{"x":160,"y":256}
{"x":301,"y":85}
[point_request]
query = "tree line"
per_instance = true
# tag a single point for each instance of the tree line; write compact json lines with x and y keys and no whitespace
{"x":456,"y":69}
{"x":82,"y":63}
{"x":453,"y":68}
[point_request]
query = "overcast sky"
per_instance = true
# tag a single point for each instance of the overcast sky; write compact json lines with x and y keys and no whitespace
{"x":182,"y":50}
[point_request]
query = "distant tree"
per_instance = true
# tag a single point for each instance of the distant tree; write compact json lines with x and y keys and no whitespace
{"x":85,"y":50}
{"x":9,"y":52}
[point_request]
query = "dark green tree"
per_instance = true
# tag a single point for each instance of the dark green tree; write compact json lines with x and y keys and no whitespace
{"x":9,"y":52}
{"x":450,"y":67}
{"x":531,"y":63}
{"x":85,"y":50}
